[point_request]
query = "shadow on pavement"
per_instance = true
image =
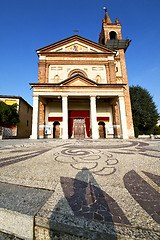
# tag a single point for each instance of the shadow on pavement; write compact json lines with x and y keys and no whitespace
{"x":88,"y":201}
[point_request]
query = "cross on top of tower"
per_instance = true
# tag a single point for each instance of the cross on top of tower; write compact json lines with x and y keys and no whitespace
{"x":105,"y":9}
{"x":76,"y":31}
{"x":106,"y":18}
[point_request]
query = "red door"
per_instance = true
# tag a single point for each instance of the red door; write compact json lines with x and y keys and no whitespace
{"x":79,"y":128}
{"x":81,"y":115}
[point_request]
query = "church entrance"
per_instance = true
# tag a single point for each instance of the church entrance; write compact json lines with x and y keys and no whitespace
{"x":101,"y":129}
{"x":79,"y":124}
{"x":79,"y":128}
{"x":56,"y":129}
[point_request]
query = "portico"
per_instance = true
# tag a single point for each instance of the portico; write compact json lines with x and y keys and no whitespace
{"x":94,"y":104}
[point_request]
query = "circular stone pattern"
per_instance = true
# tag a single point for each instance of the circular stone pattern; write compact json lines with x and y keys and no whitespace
{"x":75,"y":152}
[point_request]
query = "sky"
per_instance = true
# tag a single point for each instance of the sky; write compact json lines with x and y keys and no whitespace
{"x":27,"y":25}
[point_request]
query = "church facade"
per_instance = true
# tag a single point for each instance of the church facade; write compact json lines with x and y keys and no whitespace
{"x":82,"y":89}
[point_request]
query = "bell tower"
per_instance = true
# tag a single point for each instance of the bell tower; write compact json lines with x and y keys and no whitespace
{"x":111,"y":36}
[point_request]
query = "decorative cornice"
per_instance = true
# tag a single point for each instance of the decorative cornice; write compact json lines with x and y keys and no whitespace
{"x":71,"y":39}
{"x":99,"y":85}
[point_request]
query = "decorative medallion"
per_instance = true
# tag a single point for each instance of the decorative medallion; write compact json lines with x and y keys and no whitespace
{"x":76,"y":48}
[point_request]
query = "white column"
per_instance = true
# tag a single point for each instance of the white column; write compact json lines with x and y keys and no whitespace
{"x":35,"y":118}
{"x":123,"y":120}
{"x":94,"y":117}
{"x":65,"y":116}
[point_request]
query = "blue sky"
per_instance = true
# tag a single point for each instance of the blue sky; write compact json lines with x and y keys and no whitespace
{"x":27,"y":25}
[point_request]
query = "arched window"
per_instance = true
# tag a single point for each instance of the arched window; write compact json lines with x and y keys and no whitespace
{"x":77,"y":71}
{"x":56,"y":78}
{"x":113,"y":35}
{"x":98,"y":79}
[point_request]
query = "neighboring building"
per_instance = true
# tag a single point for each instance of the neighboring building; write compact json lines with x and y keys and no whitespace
{"x":24,"y":128}
{"x":82,"y":88}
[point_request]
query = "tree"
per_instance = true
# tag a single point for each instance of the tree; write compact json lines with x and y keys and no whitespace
{"x":8,"y":114}
{"x":144,"y":110}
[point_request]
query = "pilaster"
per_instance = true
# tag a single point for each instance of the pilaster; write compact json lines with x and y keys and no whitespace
{"x":41,"y":120}
{"x":112,"y":72}
{"x":47,"y":73}
{"x":107,"y":72}
{"x":41,"y":72}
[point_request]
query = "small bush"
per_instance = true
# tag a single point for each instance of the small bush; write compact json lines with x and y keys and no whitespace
{"x":136,"y":132}
{"x":156,"y":130}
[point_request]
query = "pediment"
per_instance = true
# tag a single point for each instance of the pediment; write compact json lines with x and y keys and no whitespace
{"x":78,"y":81}
{"x":75,"y":44}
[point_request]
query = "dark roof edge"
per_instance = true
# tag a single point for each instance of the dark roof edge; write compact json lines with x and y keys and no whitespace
{"x":98,"y":84}
{"x":76,"y":75}
{"x":49,"y":84}
{"x":65,"y":39}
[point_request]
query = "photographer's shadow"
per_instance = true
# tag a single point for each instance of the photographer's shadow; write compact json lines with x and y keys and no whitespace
{"x":88,"y":201}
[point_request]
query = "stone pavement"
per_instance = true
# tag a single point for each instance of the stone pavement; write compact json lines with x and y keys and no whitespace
{"x":80,"y":189}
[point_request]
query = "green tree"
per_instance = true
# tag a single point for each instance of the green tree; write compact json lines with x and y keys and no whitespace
{"x":144,"y":110}
{"x":8,"y":114}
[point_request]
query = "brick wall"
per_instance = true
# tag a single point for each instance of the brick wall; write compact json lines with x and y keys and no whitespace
{"x":41,"y":120}
{"x":41,"y":72}
{"x":127,"y":95}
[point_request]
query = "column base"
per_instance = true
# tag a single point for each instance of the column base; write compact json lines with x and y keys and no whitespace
{"x":124,"y":137}
{"x":65,"y":137}
{"x":33,"y":137}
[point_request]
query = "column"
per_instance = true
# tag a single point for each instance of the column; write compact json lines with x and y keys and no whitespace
{"x":65,"y":116}
{"x":35,"y":118}
{"x":123,"y":120}
{"x":94,"y":117}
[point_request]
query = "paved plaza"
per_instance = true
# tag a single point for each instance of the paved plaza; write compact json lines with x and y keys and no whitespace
{"x":80,"y":189}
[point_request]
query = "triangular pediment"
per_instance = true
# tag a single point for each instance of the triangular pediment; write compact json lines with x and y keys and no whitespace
{"x":75,"y":44}
{"x":78,"y":81}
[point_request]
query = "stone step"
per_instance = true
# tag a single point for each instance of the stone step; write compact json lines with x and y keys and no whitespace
{"x":18,"y":206}
{"x":61,"y":226}
{"x":31,"y":213}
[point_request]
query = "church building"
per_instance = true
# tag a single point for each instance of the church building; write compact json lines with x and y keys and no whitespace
{"x":82,"y":89}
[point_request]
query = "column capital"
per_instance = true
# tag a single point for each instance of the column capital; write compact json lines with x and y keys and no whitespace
{"x":35,"y":95}
{"x":47,"y":65}
{"x":106,"y":64}
{"x":121,"y":98}
{"x":64,"y":96}
{"x":42,"y":63}
{"x":93,"y":96}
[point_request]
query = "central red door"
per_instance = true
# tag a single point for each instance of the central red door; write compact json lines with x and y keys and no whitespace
{"x":79,"y":128}
{"x":84,"y":114}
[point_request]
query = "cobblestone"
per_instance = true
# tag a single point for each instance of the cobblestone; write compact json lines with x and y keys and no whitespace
{"x":94,"y":183}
